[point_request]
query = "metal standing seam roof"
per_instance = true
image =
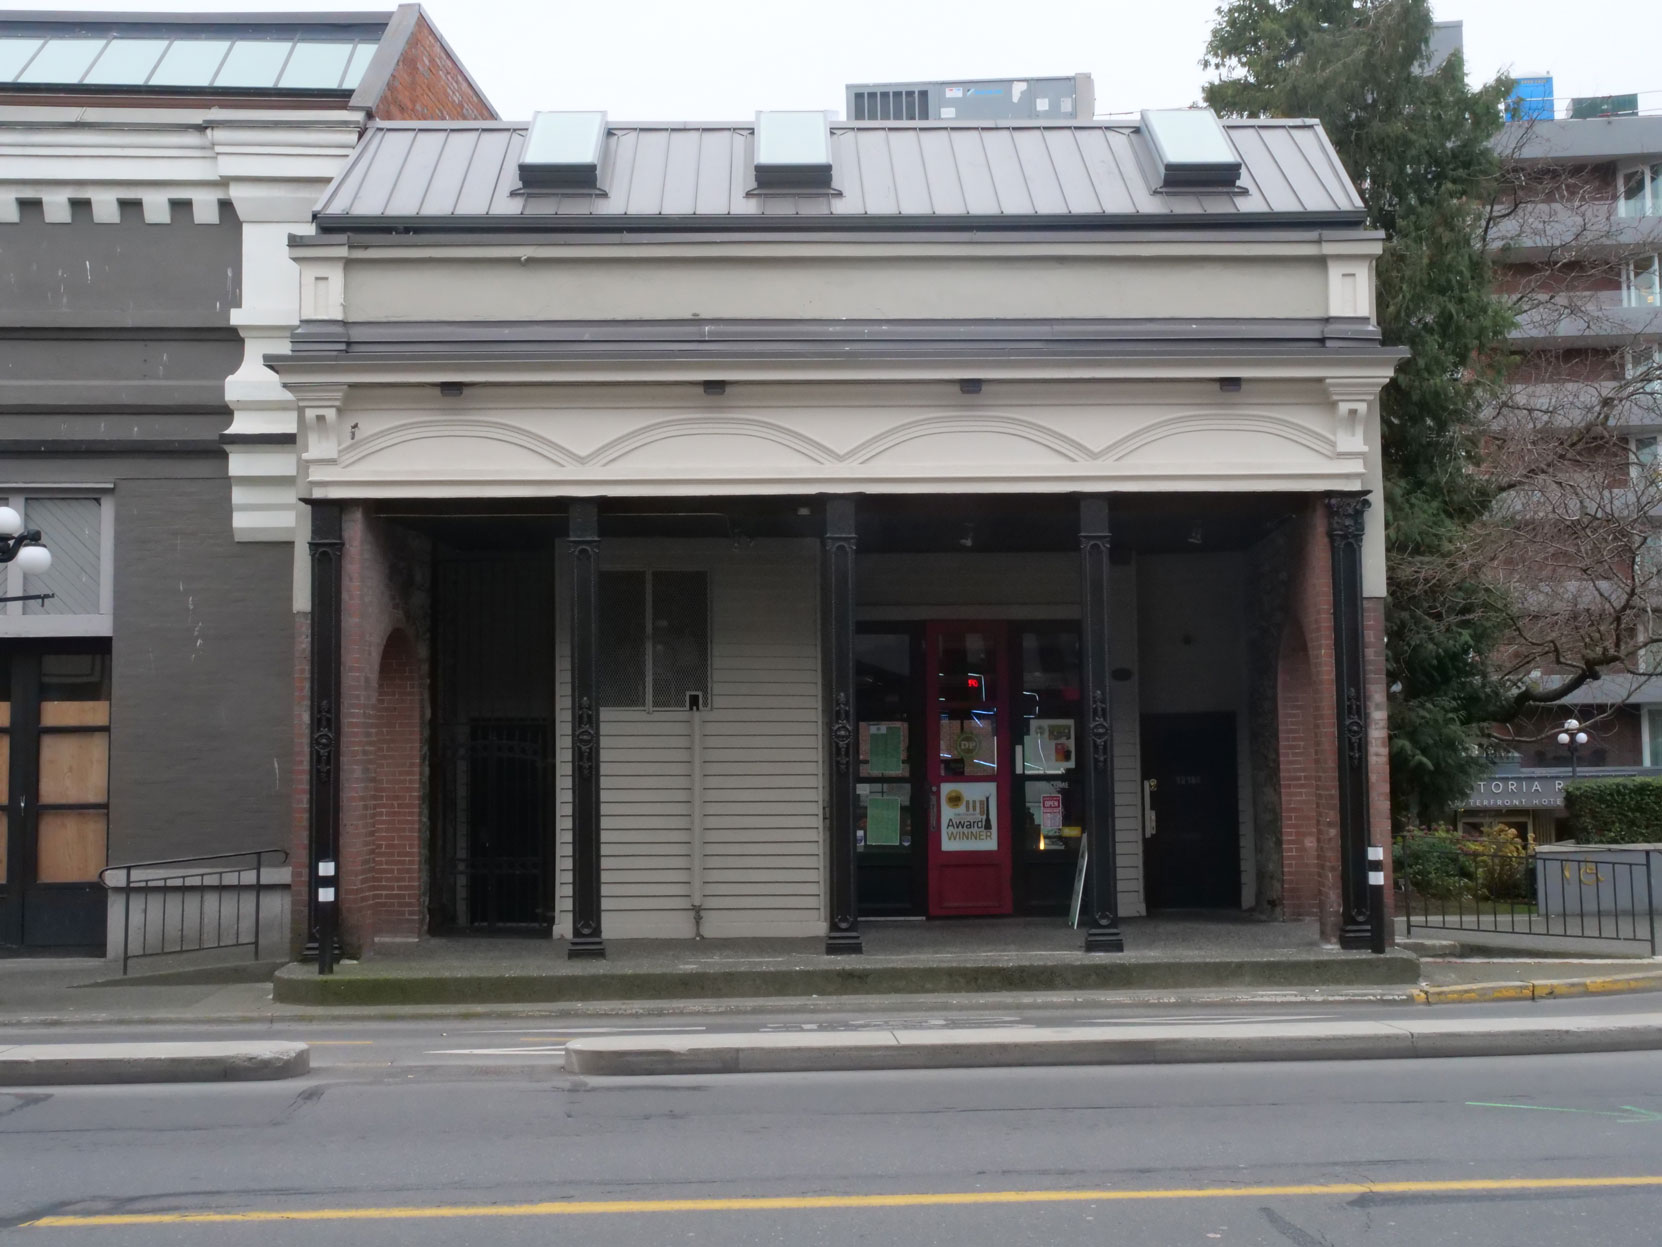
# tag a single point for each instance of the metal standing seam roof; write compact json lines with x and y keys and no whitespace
{"x":422,"y":171}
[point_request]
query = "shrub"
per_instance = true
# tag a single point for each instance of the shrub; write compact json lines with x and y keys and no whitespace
{"x":1490,"y":865}
{"x":1429,"y":860}
{"x":1498,"y":863}
{"x":1615,"y":811}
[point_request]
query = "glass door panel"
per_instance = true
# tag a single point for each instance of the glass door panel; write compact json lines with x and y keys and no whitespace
{"x":1050,"y":799}
{"x":885,"y":706}
{"x":969,"y":777}
{"x":73,"y":768}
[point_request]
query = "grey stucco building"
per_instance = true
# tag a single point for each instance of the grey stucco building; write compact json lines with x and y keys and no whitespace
{"x":152,"y":169}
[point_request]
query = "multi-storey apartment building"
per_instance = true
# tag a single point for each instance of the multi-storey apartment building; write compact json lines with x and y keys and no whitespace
{"x":1576,"y":245}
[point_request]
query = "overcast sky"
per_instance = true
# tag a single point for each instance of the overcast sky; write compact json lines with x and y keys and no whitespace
{"x":724,"y":59}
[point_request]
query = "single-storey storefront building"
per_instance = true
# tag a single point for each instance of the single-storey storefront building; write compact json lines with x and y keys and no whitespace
{"x":725,"y":530}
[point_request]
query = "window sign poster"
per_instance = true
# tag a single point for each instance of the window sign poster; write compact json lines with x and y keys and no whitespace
{"x":883,"y":748}
{"x":1050,"y":812}
{"x":1049,"y":746}
{"x":883,"y":820}
{"x":969,"y":817}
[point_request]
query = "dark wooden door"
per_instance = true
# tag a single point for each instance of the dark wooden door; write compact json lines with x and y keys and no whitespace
{"x":54,"y":779}
{"x":1192,"y":859}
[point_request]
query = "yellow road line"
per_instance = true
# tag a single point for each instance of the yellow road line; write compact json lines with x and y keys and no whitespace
{"x":801,"y":1202}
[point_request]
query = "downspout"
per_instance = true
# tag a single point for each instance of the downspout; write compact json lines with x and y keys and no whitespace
{"x":695,"y":732}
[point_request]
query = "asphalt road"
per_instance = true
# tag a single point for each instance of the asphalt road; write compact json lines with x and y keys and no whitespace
{"x":462,"y":1133}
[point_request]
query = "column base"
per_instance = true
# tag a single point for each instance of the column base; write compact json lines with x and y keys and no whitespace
{"x":1357,"y":936}
{"x":586,"y":947}
{"x":839,"y":943}
{"x":1104,"y":940}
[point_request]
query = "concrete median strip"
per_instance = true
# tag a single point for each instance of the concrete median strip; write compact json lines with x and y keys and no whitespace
{"x":43,"y":1065}
{"x":1136,"y":1044}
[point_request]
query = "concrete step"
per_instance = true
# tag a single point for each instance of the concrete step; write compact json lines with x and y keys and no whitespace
{"x":412,"y":982}
{"x":1132,"y":1044}
{"x":43,"y":1065}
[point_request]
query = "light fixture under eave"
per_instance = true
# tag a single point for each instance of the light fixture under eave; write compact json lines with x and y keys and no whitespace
{"x":969,"y":385}
{"x":450,"y":389}
{"x":715,"y":387}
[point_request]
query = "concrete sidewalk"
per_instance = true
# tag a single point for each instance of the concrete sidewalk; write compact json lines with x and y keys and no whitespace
{"x":1418,"y":1035}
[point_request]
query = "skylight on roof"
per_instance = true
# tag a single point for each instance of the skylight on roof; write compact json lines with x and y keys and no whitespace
{"x":562,"y":150}
{"x":62,"y":60}
{"x":272,"y":59}
{"x":190,"y":63}
{"x":793,"y":149}
{"x":1191,"y":148}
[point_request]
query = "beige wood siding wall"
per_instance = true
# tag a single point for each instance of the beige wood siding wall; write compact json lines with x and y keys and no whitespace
{"x":759,"y":744}
{"x":1034,"y":587}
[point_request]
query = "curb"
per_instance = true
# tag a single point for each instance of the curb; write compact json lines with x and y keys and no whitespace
{"x":50,"y":1065}
{"x":1536,"y":989}
{"x":302,"y":985}
{"x":626,"y":1056}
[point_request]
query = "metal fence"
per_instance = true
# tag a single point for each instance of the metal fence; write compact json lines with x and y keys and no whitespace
{"x":190,"y":904}
{"x":1553,"y":894}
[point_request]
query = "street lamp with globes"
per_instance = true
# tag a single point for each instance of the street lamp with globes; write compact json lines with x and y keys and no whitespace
{"x":1572,"y":738}
{"x":22,"y":546}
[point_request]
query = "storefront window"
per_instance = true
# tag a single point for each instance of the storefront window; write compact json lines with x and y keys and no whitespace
{"x":883,"y":700}
{"x":1048,"y":709}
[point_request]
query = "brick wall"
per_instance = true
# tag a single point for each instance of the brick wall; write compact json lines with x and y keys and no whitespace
{"x":1309,"y":732}
{"x":380,"y":726}
{"x":1308,"y":719}
{"x":428,"y":85}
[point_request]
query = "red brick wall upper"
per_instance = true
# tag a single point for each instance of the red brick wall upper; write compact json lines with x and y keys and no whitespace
{"x":428,"y":85}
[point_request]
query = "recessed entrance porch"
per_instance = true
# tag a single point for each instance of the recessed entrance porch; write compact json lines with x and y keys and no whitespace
{"x":699,"y":756}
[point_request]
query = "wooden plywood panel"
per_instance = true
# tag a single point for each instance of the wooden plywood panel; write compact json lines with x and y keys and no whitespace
{"x":74,"y":768}
{"x":70,"y":845}
{"x":74,"y":714}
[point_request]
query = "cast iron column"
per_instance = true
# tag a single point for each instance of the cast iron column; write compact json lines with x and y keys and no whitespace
{"x":1345,"y":518}
{"x":583,"y":542}
{"x":323,"y":810}
{"x":1102,"y":933}
{"x":837,"y":644}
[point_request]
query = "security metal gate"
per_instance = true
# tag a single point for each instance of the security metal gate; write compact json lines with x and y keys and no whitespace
{"x":493,"y":763}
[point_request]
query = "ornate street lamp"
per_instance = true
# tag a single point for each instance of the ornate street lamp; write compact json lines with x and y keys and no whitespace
{"x":1572,"y":738}
{"x":22,"y":546}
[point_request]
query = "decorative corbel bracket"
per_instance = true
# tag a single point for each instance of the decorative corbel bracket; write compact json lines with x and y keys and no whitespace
{"x":1350,"y":399}
{"x":320,"y":420}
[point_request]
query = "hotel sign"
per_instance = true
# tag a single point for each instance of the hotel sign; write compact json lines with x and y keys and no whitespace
{"x":1516,"y":792}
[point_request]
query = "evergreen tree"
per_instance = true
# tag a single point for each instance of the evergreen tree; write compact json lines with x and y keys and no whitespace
{"x":1417,"y":143}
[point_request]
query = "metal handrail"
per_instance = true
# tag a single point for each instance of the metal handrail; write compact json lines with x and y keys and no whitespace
{"x":165,"y":883}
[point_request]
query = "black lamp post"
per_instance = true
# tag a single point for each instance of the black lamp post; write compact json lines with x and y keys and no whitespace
{"x":22,"y":546}
{"x":1572,"y":738}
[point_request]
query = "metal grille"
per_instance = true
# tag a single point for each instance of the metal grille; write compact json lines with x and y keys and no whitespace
{"x":493,"y":761}
{"x":622,"y":657}
{"x":680,"y":638}
{"x":498,"y":815}
{"x":891,"y":106}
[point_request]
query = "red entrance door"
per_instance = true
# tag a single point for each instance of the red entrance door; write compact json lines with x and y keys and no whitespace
{"x":966,"y":720}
